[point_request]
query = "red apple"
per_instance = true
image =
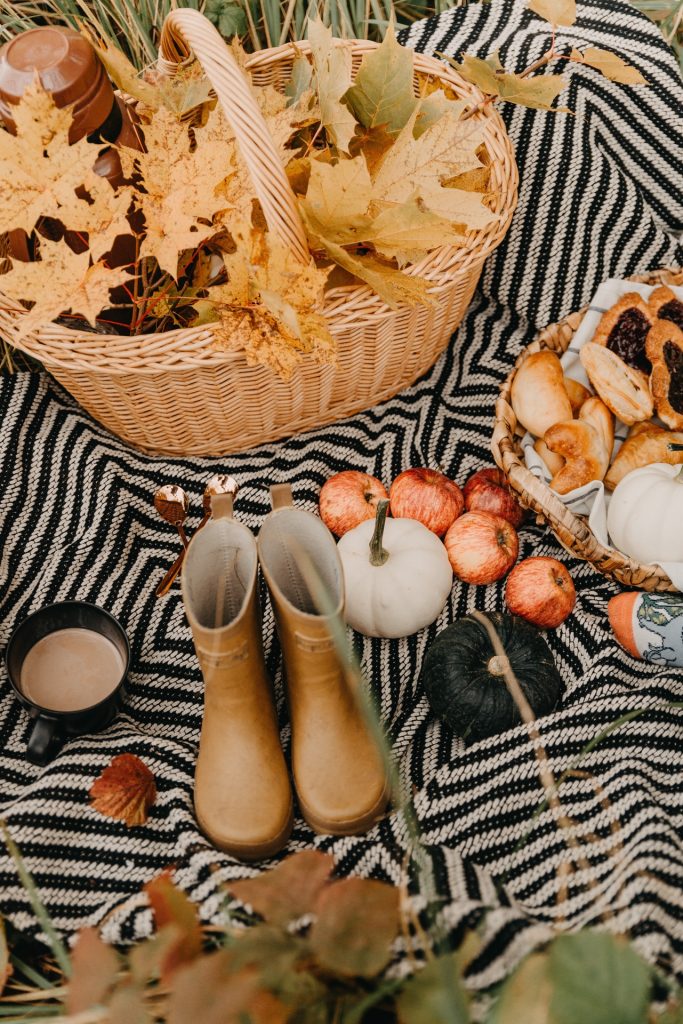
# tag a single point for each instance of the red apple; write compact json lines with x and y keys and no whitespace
{"x":428,"y":496}
{"x":481,"y":547}
{"x":541,"y":591}
{"x":349,"y":498}
{"x":488,"y":491}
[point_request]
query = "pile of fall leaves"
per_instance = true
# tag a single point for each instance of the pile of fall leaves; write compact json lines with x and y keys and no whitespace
{"x":382,"y":176}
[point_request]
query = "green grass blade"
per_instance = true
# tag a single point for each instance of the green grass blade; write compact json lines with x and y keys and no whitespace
{"x":58,"y":948}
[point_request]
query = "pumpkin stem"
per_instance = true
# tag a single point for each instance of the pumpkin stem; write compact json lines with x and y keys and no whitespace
{"x":498,"y":665}
{"x":379,"y":554}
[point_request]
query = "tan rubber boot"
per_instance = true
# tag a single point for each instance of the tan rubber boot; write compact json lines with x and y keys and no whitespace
{"x":242,"y":798}
{"x":338,"y":771}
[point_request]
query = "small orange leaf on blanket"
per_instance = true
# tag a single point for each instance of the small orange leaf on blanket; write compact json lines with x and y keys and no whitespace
{"x":125,"y":790}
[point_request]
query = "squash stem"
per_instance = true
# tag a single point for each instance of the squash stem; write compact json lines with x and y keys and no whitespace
{"x":378,"y":553}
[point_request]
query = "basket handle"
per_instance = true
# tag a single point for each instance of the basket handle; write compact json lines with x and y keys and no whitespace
{"x":186,"y":31}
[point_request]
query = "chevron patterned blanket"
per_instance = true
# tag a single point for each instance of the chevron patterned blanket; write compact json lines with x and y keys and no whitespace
{"x":600,"y":196}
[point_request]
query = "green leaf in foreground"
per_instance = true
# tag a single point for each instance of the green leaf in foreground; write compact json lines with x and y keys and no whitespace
{"x":58,"y":948}
{"x":5,"y":966}
{"x":597,"y":979}
{"x":357,"y":920}
{"x":435,"y":995}
{"x":382,"y":93}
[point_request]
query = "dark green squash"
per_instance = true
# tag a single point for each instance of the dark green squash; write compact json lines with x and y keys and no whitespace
{"x":465,"y":685}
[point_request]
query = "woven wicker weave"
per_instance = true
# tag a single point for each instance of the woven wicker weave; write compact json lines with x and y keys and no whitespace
{"x":175,"y":393}
{"x":572,"y":531}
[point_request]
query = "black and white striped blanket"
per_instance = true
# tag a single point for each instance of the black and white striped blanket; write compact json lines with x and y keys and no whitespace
{"x":601,"y":195}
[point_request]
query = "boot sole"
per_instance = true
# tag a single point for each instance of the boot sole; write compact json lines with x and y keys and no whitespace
{"x":251,"y":851}
{"x":349,"y":826}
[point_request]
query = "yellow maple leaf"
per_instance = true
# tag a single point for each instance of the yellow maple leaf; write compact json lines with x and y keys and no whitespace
{"x":270,"y":305}
{"x":62,"y":281}
{"x":339,"y":195}
{"x":557,"y":12}
{"x":610,"y":65}
{"x":184,"y":185}
{"x":104,"y":217}
{"x":417,"y":166}
{"x":332,"y":62}
{"x":39,"y":170}
{"x":405,"y":233}
{"x":538,"y":92}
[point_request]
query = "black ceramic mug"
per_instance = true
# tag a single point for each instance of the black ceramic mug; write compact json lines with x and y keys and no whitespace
{"x":52,"y":725}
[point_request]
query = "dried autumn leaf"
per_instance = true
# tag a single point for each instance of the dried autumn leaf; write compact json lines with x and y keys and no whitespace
{"x":301,"y":78}
{"x":184,"y":186}
{"x":124,"y":74}
{"x":332,"y":62}
{"x":173,"y":908}
{"x":62,"y":281}
{"x":538,"y":92}
{"x":39,"y":170}
{"x":104,"y":218}
{"x":405,"y":233}
{"x":557,"y":12}
{"x":125,"y":790}
{"x":373,"y":144}
{"x":357,"y":921}
{"x":382,"y":93}
{"x":393,"y":286}
{"x":94,"y":966}
{"x":414,"y":167}
{"x":610,"y":65}
{"x":435,"y":106}
{"x":211,"y":991}
{"x":289,"y":890}
{"x":338,"y":196}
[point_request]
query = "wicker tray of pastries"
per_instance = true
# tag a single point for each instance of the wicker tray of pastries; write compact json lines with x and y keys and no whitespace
{"x":593,"y":399}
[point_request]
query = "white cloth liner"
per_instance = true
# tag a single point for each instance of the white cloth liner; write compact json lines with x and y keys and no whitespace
{"x":592,"y":499}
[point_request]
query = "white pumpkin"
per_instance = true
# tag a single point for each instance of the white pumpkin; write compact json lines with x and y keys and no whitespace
{"x":396,"y":573}
{"x":645,"y":514}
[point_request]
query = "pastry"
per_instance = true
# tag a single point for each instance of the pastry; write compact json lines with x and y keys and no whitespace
{"x":539,"y":397}
{"x":646,"y":443}
{"x":623,"y":390}
{"x":665,"y":306}
{"x":623,"y":330}
{"x":578,"y":393}
{"x":665,"y":352}
{"x":585,"y":444}
{"x":553,"y":461}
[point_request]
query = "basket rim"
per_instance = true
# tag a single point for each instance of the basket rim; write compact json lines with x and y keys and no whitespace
{"x":571,"y":530}
{"x":165,"y":350}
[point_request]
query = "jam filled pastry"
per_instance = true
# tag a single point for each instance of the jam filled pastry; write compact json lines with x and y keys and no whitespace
{"x":665,"y":352}
{"x":623,"y":390}
{"x":623,"y":330}
{"x":665,"y":306}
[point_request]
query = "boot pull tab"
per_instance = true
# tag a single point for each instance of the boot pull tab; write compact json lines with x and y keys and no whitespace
{"x":281,"y":496}
{"x":222,"y":505}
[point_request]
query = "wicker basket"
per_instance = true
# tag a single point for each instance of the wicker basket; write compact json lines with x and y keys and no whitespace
{"x":175,"y":393}
{"x":572,"y":531}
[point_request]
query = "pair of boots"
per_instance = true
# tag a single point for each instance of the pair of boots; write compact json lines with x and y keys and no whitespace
{"x":243,"y":798}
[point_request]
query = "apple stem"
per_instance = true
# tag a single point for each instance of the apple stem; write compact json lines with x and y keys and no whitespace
{"x":379,"y":554}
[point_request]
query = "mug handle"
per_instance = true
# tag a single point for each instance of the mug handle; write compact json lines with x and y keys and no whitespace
{"x":41,"y":741}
